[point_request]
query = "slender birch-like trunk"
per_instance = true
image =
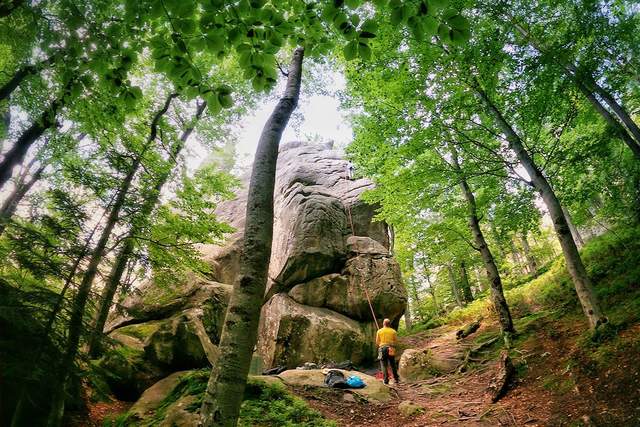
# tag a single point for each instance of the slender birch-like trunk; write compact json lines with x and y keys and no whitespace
{"x":497,"y":294}
{"x":225,"y":390}
{"x":584,"y":288}
{"x":466,"y":287}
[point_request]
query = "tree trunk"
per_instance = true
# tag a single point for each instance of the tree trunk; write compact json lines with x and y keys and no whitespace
{"x":16,"y":154}
{"x":82,"y":295}
{"x":582,"y":283}
{"x":574,"y":230}
{"x":10,"y":205}
{"x":454,"y":286}
{"x":407,"y":318}
{"x":225,"y":390}
{"x":432,"y":291}
{"x":498,"y":239}
{"x":466,"y":287}
{"x":497,"y":294}
{"x":481,"y":285}
{"x":611,"y":121}
{"x":531,"y":260}
{"x":515,"y":255}
{"x":626,"y":127}
{"x":123,"y":257}
{"x":7,"y":89}
{"x":17,"y":417}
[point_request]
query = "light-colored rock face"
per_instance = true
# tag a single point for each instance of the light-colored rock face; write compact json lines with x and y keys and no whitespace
{"x":326,"y":252}
{"x":292,"y":333}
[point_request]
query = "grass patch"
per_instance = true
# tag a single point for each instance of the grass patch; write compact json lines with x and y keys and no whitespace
{"x":613,"y":264}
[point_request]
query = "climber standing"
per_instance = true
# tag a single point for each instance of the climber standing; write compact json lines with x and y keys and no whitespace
{"x":386,"y":340}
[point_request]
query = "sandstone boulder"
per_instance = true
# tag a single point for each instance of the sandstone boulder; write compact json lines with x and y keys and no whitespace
{"x":357,"y":245}
{"x":292,"y":333}
{"x":376,"y":277}
{"x":419,"y":364}
{"x":127,"y":372}
{"x":379,"y":277}
{"x":375,"y":392}
{"x":153,"y":302}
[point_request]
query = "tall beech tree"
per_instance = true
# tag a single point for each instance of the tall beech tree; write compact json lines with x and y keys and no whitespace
{"x":497,"y":294}
{"x":123,"y":257}
{"x":225,"y":389}
{"x":82,"y":294}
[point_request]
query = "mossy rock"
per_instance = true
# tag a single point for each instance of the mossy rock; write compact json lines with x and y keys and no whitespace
{"x":409,"y":409}
{"x":422,"y":364}
{"x":127,"y":372}
{"x":175,"y":402}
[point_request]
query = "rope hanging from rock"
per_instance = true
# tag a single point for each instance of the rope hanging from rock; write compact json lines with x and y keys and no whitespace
{"x":349,"y":176}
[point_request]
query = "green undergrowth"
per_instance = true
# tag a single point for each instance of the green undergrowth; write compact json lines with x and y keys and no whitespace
{"x":612,"y":262}
{"x":265,"y":405}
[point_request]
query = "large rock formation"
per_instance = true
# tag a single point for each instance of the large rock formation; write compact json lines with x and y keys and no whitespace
{"x":330,"y":269}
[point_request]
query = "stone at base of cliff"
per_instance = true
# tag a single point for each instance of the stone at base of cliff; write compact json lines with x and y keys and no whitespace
{"x":409,"y":409}
{"x":421,"y":364}
{"x":154,"y":395}
{"x":291,"y":334}
{"x":375,"y":391}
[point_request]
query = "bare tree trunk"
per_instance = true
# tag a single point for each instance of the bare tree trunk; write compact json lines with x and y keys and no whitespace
{"x":432,"y":291}
{"x":517,"y":257}
{"x":16,"y":153}
{"x":123,"y":257}
{"x":584,"y":288}
{"x":627,"y":129}
{"x":82,"y":295}
{"x":10,"y":205}
{"x":466,"y":287}
{"x":531,"y":260}
{"x":574,"y":230}
{"x":481,"y":285}
{"x":497,"y":294}
{"x":407,"y":318}
{"x":454,"y":286}
{"x":225,"y":390}
{"x":608,"y":117}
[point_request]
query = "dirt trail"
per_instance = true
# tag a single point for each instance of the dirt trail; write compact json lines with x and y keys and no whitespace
{"x":460,"y":398}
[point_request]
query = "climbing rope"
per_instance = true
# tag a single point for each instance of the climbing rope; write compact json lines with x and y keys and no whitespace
{"x":353,"y":233}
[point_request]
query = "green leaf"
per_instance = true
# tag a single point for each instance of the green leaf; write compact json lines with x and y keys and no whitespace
{"x":438,"y":4}
{"x":443,"y":33}
{"x":364,"y":51}
{"x":350,"y":50}
{"x":397,"y":16}
{"x":369,"y":26}
{"x":430,"y":25}
{"x":458,"y":22}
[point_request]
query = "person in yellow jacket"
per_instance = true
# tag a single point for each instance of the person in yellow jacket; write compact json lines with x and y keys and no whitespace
{"x":386,"y":340}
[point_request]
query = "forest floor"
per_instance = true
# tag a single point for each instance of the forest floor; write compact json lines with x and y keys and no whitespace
{"x":554,"y":385}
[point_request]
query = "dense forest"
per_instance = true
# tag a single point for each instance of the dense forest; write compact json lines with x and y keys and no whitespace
{"x":502,"y":141}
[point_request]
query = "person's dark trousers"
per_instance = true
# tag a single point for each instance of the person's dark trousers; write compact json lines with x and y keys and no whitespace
{"x":385,"y":361}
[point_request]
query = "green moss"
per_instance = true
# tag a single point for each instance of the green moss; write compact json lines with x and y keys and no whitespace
{"x":559,"y":385}
{"x":266,"y":405}
{"x":141,"y":330}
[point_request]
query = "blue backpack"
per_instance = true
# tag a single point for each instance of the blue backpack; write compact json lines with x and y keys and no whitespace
{"x":355,"y":381}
